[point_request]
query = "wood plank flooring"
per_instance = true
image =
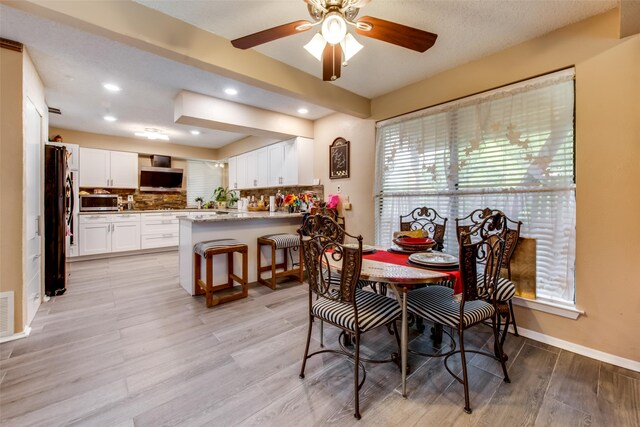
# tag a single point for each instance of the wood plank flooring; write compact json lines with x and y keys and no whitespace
{"x":126,"y":346}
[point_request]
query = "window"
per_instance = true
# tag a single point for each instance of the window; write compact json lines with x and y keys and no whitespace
{"x":202,"y":178}
{"x":510,"y":149}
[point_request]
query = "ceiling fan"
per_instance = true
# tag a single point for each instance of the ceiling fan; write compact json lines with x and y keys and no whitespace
{"x":334,"y":45}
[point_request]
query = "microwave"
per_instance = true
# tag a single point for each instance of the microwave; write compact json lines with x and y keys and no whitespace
{"x":98,"y":202}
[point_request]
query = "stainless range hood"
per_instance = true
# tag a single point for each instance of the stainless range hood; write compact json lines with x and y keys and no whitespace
{"x":160,"y":176}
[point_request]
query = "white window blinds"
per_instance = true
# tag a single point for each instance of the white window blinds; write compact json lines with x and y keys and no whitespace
{"x":202,"y":178}
{"x":510,"y":149}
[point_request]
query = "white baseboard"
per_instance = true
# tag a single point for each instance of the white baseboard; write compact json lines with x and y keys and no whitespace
{"x":17,"y":336}
{"x":633,"y":365}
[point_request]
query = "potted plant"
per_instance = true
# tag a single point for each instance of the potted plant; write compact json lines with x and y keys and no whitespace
{"x":220,"y":195}
{"x":199,"y":201}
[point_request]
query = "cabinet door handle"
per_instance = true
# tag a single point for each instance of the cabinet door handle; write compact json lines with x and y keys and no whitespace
{"x":167,"y":235}
{"x":35,"y":257}
{"x":166,"y":221}
{"x":38,"y":225}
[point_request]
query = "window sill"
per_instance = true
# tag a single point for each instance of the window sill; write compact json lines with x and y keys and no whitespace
{"x":570,"y":312}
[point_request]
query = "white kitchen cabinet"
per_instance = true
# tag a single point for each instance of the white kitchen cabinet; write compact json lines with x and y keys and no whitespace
{"x":95,"y":168}
{"x":108,"y":169}
{"x":95,"y":238}
{"x":233,"y":173}
{"x":125,"y":236}
{"x":257,"y":168}
{"x":290,"y":163}
{"x":101,"y":234}
{"x":124,"y":169}
{"x":159,"y":229}
{"x":263,"y":167}
{"x":276,"y":158}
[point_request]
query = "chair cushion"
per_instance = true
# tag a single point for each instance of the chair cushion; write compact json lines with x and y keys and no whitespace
{"x":438,"y":304}
{"x":201,"y":248}
{"x":505,"y":290}
{"x":373,"y":310}
{"x":284,"y":240}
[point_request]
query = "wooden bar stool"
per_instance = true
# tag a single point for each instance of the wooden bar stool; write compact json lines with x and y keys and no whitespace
{"x":219,"y":294}
{"x":284,"y":242}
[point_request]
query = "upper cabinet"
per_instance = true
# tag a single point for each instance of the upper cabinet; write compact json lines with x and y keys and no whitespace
{"x":108,"y":169}
{"x":285,"y":163}
{"x":257,"y":168}
{"x":233,"y":173}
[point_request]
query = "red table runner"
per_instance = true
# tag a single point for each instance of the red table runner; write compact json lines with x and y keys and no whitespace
{"x":402,"y":259}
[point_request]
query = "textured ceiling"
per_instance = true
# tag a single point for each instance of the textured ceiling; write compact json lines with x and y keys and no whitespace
{"x":467,"y":30}
{"x":74,"y":64}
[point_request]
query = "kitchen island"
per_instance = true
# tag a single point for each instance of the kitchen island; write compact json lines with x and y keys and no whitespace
{"x":245,"y":227}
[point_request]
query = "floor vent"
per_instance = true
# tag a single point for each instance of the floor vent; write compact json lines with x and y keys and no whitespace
{"x":6,"y":314}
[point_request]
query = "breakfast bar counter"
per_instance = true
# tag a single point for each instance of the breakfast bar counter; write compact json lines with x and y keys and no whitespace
{"x":245,"y":227}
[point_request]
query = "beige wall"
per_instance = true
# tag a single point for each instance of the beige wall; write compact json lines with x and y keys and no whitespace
{"x":11,"y":173}
{"x":607,"y":165}
{"x":359,"y":186}
{"x":141,"y":146}
{"x":249,"y":143}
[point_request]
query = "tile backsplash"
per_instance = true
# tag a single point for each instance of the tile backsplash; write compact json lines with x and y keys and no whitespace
{"x":271,"y":191}
{"x":148,"y":200}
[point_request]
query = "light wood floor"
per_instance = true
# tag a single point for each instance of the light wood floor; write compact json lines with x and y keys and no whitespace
{"x":127,"y":346}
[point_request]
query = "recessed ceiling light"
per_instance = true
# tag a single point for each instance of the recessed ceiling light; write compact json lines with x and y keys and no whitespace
{"x":111,"y":87}
{"x":110,"y":118}
{"x":151,"y":133}
{"x":303,"y":110}
{"x":195,"y":132}
{"x":230,"y":91}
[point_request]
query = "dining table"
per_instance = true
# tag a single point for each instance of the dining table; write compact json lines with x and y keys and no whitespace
{"x":395,"y":270}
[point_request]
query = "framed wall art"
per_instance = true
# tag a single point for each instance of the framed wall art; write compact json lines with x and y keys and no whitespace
{"x":339,"y":159}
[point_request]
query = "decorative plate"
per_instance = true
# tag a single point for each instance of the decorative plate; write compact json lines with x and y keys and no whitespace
{"x":398,"y":250}
{"x":439,"y":259}
{"x":366,"y":249}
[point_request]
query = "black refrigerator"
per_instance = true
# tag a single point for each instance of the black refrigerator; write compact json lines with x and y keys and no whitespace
{"x":55,"y":219}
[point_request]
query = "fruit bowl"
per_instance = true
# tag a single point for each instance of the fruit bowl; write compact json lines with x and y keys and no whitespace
{"x":415,"y":243}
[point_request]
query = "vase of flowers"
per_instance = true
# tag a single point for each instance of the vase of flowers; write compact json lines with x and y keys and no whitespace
{"x":292,"y":202}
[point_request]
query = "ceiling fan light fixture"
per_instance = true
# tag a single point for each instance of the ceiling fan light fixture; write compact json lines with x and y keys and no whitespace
{"x":316,"y":46}
{"x":334,"y":28}
{"x":350,"y":46}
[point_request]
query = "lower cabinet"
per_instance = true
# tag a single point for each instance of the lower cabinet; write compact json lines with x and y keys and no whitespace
{"x":107,"y":233}
{"x":125,"y":236}
{"x":159,"y":230}
{"x":101,"y":234}
{"x":95,"y":238}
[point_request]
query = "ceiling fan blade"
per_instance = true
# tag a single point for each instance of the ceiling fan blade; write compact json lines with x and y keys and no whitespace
{"x":331,"y":62}
{"x":271,"y":34}
{"x":398,"y":34}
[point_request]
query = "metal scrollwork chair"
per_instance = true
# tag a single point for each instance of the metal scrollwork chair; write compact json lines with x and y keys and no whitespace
{"x":505,"y":289}
{"x":428,"y":220}
{"x":438,"y":303}
{"x":333,"y":270}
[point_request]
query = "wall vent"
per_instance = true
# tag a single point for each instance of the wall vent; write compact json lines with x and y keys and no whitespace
{"x":6,"y":314}
{"x":55,"y":110}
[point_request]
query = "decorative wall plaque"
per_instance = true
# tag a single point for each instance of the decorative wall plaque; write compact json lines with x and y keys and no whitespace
{"x":339,"y":159}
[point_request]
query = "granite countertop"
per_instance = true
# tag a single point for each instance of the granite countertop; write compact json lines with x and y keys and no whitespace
{"x":206,"y":215}
{"x":176,"y":211}
{"x":242,"y":216}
